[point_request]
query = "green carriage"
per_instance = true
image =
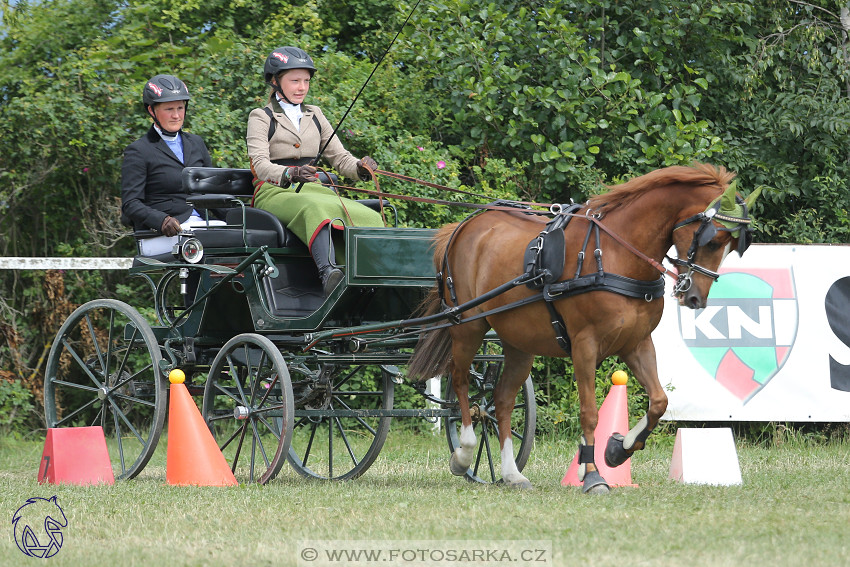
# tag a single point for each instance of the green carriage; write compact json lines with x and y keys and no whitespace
{"x":282,"y":371}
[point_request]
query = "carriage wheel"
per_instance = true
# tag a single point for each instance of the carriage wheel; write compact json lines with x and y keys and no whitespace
{"x":330,"y":443}
{"x":486,"y":468}
{"x":104,"y":369}
{"x":248,"y":407}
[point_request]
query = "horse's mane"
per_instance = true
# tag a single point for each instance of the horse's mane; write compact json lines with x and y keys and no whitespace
{"x":698,"y":175}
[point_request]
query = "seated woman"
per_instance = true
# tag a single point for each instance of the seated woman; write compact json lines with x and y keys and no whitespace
{"x":284,"y":139}
{"x":152,"y":195}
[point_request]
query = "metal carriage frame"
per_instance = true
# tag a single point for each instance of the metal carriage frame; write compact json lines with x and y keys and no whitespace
{"x":284,"y":373}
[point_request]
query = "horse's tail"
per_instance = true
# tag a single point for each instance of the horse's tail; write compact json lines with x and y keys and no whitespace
{"x":432,"y":356}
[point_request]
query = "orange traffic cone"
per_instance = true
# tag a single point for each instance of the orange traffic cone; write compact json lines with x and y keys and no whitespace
{"x":613,"y":418}
{"x":193,"y":456}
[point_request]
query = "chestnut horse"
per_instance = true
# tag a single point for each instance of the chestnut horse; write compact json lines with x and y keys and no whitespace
{"x":586,"y":312}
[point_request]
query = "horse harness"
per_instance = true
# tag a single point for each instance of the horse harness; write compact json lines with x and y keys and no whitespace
{"x":544,"y":260}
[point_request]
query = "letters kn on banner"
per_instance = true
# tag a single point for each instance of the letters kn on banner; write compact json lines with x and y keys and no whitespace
{"x":745,"y":334}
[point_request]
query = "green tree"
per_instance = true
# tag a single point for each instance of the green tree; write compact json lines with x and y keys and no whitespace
{"x":571,"y":92}
{"x":574,"y":92}
{"x":782,"y":106}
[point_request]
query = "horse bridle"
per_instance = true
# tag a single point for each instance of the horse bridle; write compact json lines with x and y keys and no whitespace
{"x":703,"y":235}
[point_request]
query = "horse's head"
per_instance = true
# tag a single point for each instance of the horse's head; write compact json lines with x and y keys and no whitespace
{"x":704,"y":240}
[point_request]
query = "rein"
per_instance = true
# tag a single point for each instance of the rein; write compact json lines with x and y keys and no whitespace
{"x":683,"y":280}
{"x":511,"y":206}
{"x":498,"y":205}
{"x":651,"y":261}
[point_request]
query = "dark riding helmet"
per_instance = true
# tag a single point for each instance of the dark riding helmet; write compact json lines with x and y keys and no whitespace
{"x":164,"y":88}
{"x":284,"y":59}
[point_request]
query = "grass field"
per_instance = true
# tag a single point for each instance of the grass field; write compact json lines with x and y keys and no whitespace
{"x":793,"y":509}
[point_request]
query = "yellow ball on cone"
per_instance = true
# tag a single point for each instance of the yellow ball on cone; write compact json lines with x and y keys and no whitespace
{"x":619,"y":378}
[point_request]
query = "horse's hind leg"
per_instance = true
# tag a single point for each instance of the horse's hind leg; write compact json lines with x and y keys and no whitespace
{"x":466,"y":339}
{"x":514,"y":373}
{"x":643,"y":363}
{"x":463,"y":455}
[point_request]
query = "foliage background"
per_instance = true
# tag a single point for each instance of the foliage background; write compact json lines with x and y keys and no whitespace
{"x":532,"y":99}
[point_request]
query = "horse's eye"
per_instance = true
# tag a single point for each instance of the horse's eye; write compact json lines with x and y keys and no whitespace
{"x":712,"y":246}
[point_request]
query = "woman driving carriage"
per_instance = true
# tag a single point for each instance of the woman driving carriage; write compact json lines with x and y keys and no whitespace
{"x":152,"y":195}
{"x":284,"y":138}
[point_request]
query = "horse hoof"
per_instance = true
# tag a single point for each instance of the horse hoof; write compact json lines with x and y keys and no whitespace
{"x":523,"y":484}
{"x":615,"y":454}
{"x":598,"y":489}
{"x":595,"y":484}
{"x":456,"y":468}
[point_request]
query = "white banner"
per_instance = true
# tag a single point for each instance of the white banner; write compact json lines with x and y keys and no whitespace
{"x":773,"y":343}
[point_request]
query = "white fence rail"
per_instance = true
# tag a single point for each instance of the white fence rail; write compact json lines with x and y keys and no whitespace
{"x":24,"y":263}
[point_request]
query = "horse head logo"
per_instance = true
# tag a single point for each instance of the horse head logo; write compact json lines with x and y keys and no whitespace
{"x":38,"y":527}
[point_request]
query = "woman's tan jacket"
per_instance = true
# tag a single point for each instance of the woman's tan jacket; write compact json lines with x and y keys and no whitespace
{"x":288,"y":143}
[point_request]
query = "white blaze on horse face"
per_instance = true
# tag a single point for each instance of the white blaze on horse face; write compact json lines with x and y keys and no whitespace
{"x":466,"y":452}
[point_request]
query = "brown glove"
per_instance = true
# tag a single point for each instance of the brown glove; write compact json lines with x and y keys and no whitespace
{"x":170,"y":226}
{"x":362,"y":164}
{"x":301,"y":174}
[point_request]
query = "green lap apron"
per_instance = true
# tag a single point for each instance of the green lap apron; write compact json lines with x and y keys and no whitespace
{"x":307,"y":211}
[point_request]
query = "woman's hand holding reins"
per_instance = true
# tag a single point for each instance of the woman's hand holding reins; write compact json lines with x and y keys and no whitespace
{"x":301,"y":174}
{"x":365,"y":166}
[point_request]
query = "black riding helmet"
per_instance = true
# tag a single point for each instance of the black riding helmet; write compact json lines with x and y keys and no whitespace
{"x":286,"y":59}
{"x":164,"y":88}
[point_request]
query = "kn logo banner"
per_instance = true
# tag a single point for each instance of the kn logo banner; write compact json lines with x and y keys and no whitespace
{"x":772,"y":344}
{"x":743,"y":337}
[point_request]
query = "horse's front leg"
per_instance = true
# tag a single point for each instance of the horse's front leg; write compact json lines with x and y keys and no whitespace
{"x":642,"y":362}
{"x":584,"y":363}
{"x":516,"y":369}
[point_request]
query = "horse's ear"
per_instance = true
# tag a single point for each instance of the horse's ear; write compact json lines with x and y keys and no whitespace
{"x":727,"y":200}
{"x":751,"y":198}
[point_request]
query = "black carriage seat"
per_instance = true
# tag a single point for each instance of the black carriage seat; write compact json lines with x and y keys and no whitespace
{"x":219,"y":188}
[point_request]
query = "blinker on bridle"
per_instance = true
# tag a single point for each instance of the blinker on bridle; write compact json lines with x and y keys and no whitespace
{"x":734,"y":219}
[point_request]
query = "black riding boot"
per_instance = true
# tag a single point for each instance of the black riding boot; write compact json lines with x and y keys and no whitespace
{"x":322,"y":251}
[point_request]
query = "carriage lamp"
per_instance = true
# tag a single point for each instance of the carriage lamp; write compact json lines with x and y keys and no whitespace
{"x":190,"y":249}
